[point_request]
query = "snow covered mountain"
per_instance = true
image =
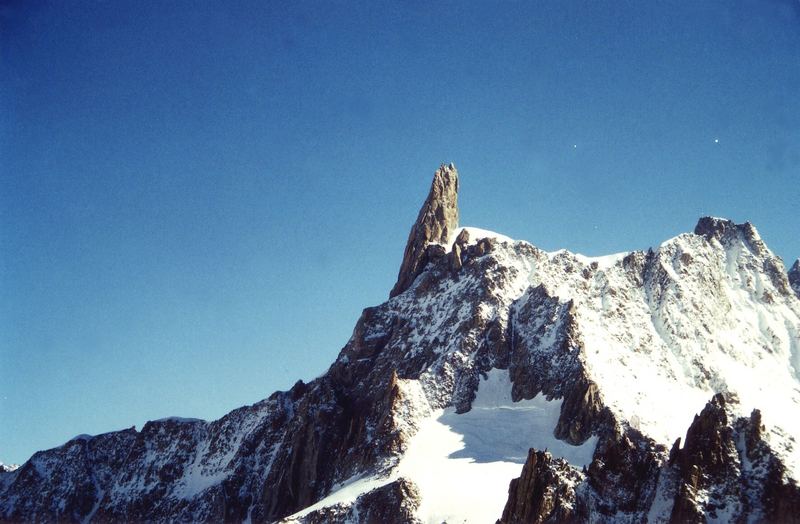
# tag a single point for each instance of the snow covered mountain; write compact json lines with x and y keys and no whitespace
{"x":499,"y":381}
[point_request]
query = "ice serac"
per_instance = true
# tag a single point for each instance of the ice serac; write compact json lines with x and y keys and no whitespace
{"x":794,"y":277}
{"x":436,"y":221}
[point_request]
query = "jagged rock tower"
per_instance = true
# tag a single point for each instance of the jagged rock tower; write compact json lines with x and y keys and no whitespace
{"x":436,"y":222}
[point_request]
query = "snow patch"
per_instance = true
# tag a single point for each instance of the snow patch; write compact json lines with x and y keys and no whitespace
{"x":463,"y":463}
{"x":345,"y":493}
{"x":476,"y":233}
{"x":603,"y":262}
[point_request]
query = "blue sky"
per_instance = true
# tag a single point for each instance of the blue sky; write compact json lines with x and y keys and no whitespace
{"x":198,"y":198}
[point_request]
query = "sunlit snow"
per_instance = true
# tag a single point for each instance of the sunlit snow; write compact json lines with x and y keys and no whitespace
{"x":464,"y":463}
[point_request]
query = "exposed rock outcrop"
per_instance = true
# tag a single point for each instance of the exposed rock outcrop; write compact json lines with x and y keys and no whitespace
{"x":781,"y":497}
{"x":727,"y":471}
{"x":544,"y":492}
{"x":580,"y":413}
{"x":393,"y":503}
{"x":708,"y":465}
{"x":794,"y":277}
{"x":726,"y":231}
{"x":623,"y":472}
{"x":437,"y":220}
{"x":459,"y":248}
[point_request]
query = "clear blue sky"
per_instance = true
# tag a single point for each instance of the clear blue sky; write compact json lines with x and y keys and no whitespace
{"x":198,"y":198}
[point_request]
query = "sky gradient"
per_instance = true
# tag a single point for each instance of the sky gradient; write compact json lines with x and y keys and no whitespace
{"x":197,"y":199}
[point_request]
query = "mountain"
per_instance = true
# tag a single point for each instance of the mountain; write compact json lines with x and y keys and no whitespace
{"x":499,"y":381}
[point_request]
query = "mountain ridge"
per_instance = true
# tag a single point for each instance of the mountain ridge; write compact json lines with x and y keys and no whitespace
{"x":478,"y":327}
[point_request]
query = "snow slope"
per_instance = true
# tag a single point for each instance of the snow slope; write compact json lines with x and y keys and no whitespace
{"x":663,"y":331}
{"x":463,"y":463}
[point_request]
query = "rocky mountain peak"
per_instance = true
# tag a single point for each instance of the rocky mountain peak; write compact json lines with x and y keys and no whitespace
{"x":500,"y":380}
{"x":726,"y":231}
{"x":714,"y":227}
{"x":732,"y":237}
{"x":794,"y":277}
{"x":436,"y":222}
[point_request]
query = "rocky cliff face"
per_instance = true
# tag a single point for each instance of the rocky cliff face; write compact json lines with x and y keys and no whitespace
{"x":544,"y":492}
{"x":794,"y":277}
{"x":436,"y":222}
{"x":499,"y":381}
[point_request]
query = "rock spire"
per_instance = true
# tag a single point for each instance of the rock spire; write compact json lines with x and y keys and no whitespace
{"x":436,"y":222}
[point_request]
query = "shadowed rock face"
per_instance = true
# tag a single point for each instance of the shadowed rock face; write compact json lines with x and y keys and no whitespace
{"x":794,"y":277}
{"x":437,"y":220}
{"x":544,"y":492}
{"x":727,"y":232}
{"x":725,"y":472}
{"x":723,"y":457}
{"x":708,"y":459}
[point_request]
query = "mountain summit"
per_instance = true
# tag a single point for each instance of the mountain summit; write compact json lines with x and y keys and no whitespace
{"x":498,"y":382}
{"x":436,"y":221}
